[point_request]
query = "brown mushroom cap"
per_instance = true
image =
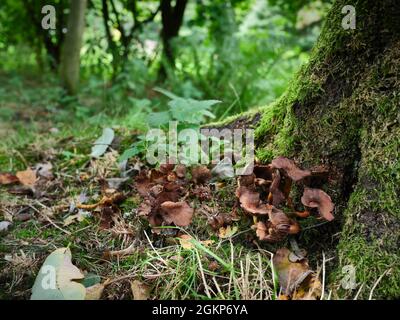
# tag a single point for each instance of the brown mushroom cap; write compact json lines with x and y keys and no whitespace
{"x":290,"y":168}
{"x":261,"y":230}
{"x":278,"y":218}
{"x":201,"y":174}
{"x":277,"y":194}
{"x":180,"y":171}
{"x":316,"y":198}
{"x":263,"y":171}
{"x":250,"y":201}
{"x":179,"y":213}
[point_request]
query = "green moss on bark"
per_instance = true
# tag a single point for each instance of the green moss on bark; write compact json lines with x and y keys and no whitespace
{"x":342,"y":110}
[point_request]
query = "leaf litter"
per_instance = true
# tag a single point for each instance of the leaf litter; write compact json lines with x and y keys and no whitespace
{"x":170,"y":198}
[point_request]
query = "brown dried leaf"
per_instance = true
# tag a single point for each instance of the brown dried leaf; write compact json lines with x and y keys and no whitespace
{"x":290,"y":168}
{"x":27,"y":178}
{"x":316,"y":198}
{"x":291,"y":274}
{"x":140,"y":291}
{"x":8,"y":178}
{"x":94,"y":292}
{"x":202,"y":193}
{"x":227,"y":232}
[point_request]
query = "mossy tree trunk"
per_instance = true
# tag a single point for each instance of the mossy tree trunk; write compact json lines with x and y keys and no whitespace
{"x":342,"y":110}
{"x":70,"y":55}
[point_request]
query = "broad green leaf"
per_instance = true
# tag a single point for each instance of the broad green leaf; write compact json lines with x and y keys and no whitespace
{"x":129,"y":153}
{"x":101,"y":144}
{"x":190,"y":110}
{"x":167,"y":93}
{"x":157,"y":119}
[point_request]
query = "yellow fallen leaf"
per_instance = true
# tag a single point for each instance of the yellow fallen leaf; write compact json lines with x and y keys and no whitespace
{"x":186,"y":242}
{"x":94,"y":292}
{"x":227,"y":232}
{"x":27,"y":177}
{"x":140,"y":291}
{"x":296,"y":279}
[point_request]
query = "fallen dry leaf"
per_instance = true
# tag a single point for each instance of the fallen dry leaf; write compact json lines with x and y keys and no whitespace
{"x":94,"y":292}
{"x":8,"y":178}
{"x":27,"y":178}
{"x":291,"y":274}
{"x":227,"y":232}
{"x":140,"y":291}
{"x":61,"y":284}
{"x":186,"y":242}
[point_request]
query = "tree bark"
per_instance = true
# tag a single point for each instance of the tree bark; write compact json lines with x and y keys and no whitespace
{"x":70,"y":56}
{"x":172,"y":19}
{"x":342,"y":111}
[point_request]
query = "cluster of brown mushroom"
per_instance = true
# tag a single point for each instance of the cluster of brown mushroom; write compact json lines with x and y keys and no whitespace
{"x":164,"y":191}
{"x":262,"y":193}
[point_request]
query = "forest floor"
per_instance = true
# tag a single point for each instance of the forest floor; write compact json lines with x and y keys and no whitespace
{"x":217,"y":256}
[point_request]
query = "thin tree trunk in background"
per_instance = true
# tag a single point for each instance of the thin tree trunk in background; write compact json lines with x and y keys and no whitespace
{"x":172,"y":19}
{"x":70,"y":55}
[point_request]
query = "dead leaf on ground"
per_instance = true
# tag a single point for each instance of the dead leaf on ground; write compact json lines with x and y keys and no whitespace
{"x":295,"y":276}
{"x":94,"y":292}
{"x":27,"y":177}
{"x":61,"y":284}
{"x":8,"y":178}
{"x":140,"y":290}
{"x":227,"y":232}
{"x":186,"y":242}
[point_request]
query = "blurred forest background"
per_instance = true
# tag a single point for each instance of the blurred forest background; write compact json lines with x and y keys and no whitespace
{"x":241,"y":52}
